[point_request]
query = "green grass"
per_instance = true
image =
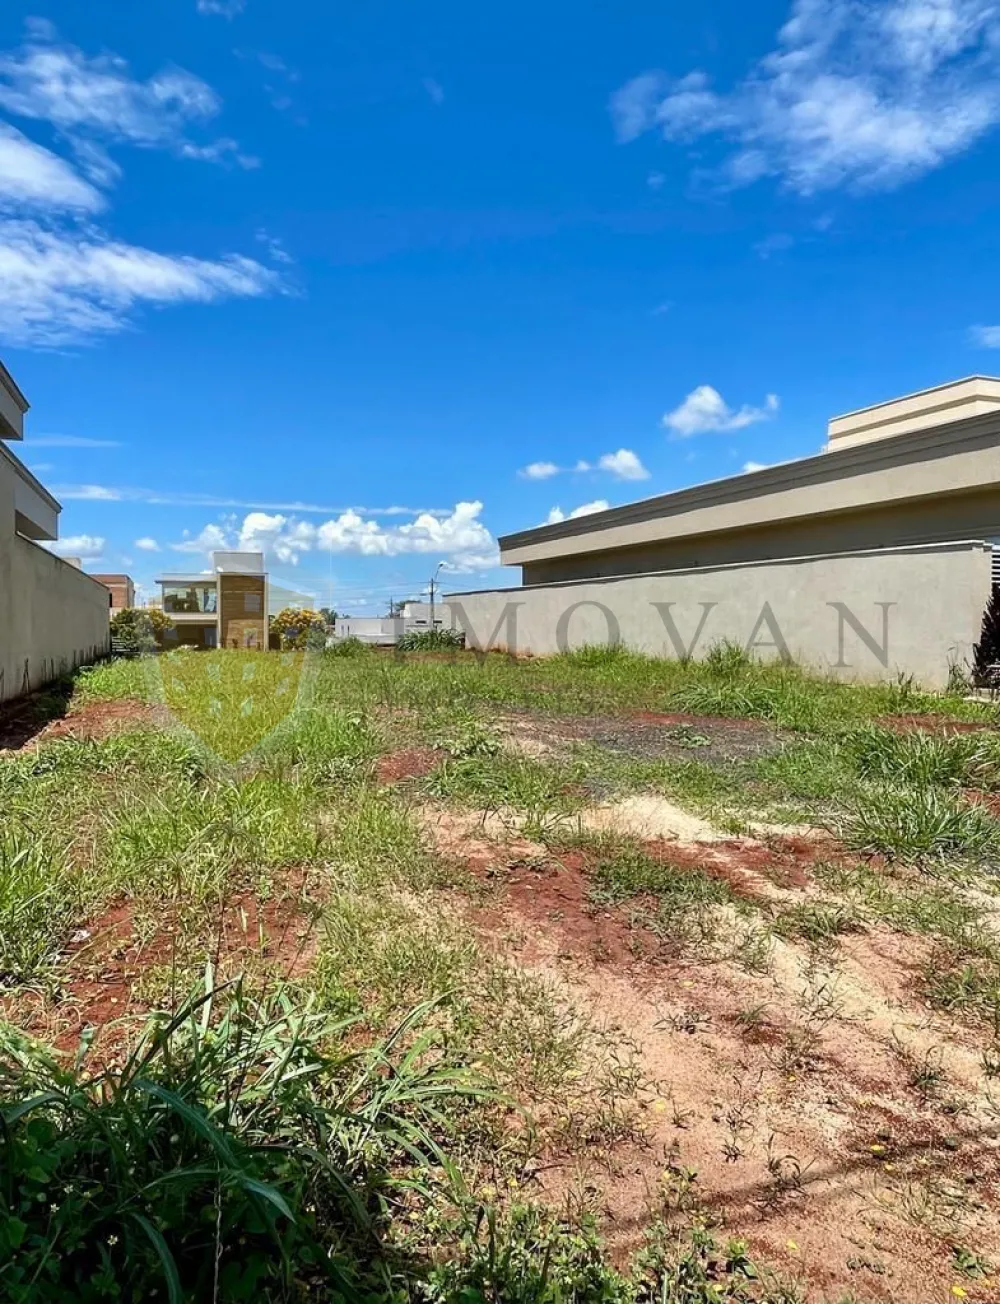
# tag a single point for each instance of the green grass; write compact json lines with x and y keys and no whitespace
{"x":267,"y":787}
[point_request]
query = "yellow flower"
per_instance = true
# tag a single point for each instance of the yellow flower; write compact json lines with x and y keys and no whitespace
{"x":793,"y":1246}
{"x":959,"y":1292}
{"x":660,"y":1106}
{"x":877,"y":1149}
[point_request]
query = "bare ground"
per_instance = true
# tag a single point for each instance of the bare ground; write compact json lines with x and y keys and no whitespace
{"x":820,"y":1109}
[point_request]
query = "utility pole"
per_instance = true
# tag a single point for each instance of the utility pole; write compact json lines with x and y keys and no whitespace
{"x":433,"y":586}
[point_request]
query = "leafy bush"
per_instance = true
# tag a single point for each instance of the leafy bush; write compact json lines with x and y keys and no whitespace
{"x":142,"y":628}
{"x":298,"y":628}
{"x":986,"y":653}
{"x":430,"y":640}
{"x":230,"y":1158}
{"x":346,"y":647}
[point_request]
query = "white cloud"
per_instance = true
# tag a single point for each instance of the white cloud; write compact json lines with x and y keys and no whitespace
{"x":865,"y":93}
{"x":97,"y":97}
{"x":704,"y":410}
{"x":62,"y":279}
{"x":221,"y":8}
{"x":624,"y":465}
{"x":34,"y":177}
{"x":72,"y":441}
{"x":458,"y":537}
{"x":585,"y":509}
{"x":146,"y":544}
{"x":65,"y":285}
{"x":748,"y":467}
{"x":539,"y":470}
{"x":168,"y":498}
{"x":88,"y":547}
{"x":986,"y":337}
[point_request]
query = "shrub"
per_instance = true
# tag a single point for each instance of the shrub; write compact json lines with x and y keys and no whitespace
{"x":430,"y":640}
{"x":298,"y":628}
{"x":142,"y":628}
{"x":986,"y":653}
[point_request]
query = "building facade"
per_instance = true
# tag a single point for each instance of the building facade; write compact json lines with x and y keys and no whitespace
{"x":225,"y":607}
{"x":53,"y":617}
{"x":121,"y":590}
{"x":869,"y":559}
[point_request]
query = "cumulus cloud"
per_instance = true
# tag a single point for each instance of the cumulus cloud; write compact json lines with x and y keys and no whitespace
{"x":585,"y":509}
{"x":706,"y":410}
{"x":458,"y":537}
{"x":64,"y":279}
{"x":147,"y":544}
{"x":88,"y":547}
{"x":623,"y":465}
{"x":748,"y":467}
{"x":539,"y":470}
{"x":863,"y":93}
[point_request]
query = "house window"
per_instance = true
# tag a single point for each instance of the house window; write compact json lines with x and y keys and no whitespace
{"x":189,"y":599}
{"x":251,"y":604}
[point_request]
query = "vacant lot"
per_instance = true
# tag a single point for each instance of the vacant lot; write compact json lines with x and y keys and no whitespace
{"x":591,"y":979}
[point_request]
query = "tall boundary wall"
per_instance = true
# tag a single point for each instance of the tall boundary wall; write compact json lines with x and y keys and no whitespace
{"x":867,"y":615}
{"x":53,"y":617}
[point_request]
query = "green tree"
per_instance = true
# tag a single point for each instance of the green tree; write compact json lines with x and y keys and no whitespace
{"x":142,"y":628}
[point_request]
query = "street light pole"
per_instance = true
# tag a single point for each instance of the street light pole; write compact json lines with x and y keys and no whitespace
{"x":433,"y":585}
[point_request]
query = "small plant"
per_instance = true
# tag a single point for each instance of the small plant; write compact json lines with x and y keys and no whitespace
{"x":430,"y":640}
{"x":727,"y":659}
{"x":986,"y":653}
{"x":917,"y":824}
{"x":229,"y":1157}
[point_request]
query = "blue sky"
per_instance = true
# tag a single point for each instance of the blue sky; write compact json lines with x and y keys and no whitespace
{"x":370,"y":286}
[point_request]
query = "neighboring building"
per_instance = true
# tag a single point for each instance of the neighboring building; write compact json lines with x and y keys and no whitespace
{"x":420,"y":616}
{"x":871,"y":558}
{"x":53,"y":617}
{"x":224,"y":607}
{"x":121,"y":588}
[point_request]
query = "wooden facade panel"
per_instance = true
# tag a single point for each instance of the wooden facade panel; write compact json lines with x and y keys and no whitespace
{"x":242,"y":611}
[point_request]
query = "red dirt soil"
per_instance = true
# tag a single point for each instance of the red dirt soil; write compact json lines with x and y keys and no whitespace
{"x":95,"y":720}
{"x":107,"y":962}
{"x":410,"y":763}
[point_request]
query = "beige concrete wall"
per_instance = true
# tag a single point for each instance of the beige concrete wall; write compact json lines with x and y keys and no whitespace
{"x":864,"y":615}
{"x":975,"y":514}
{"x":928,"y":465}
{"x":52,"y":617}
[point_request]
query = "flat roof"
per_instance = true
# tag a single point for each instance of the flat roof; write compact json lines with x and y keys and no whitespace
{"x":954,"y":457}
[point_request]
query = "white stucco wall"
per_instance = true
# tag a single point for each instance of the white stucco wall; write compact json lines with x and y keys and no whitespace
{"x":920,"y":609}
{"x":52,"y":617}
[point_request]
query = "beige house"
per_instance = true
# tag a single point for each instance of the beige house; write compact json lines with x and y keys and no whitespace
{"x":870,"y":558}
{"x":226,"y":606}
{"x":53,"y":617}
